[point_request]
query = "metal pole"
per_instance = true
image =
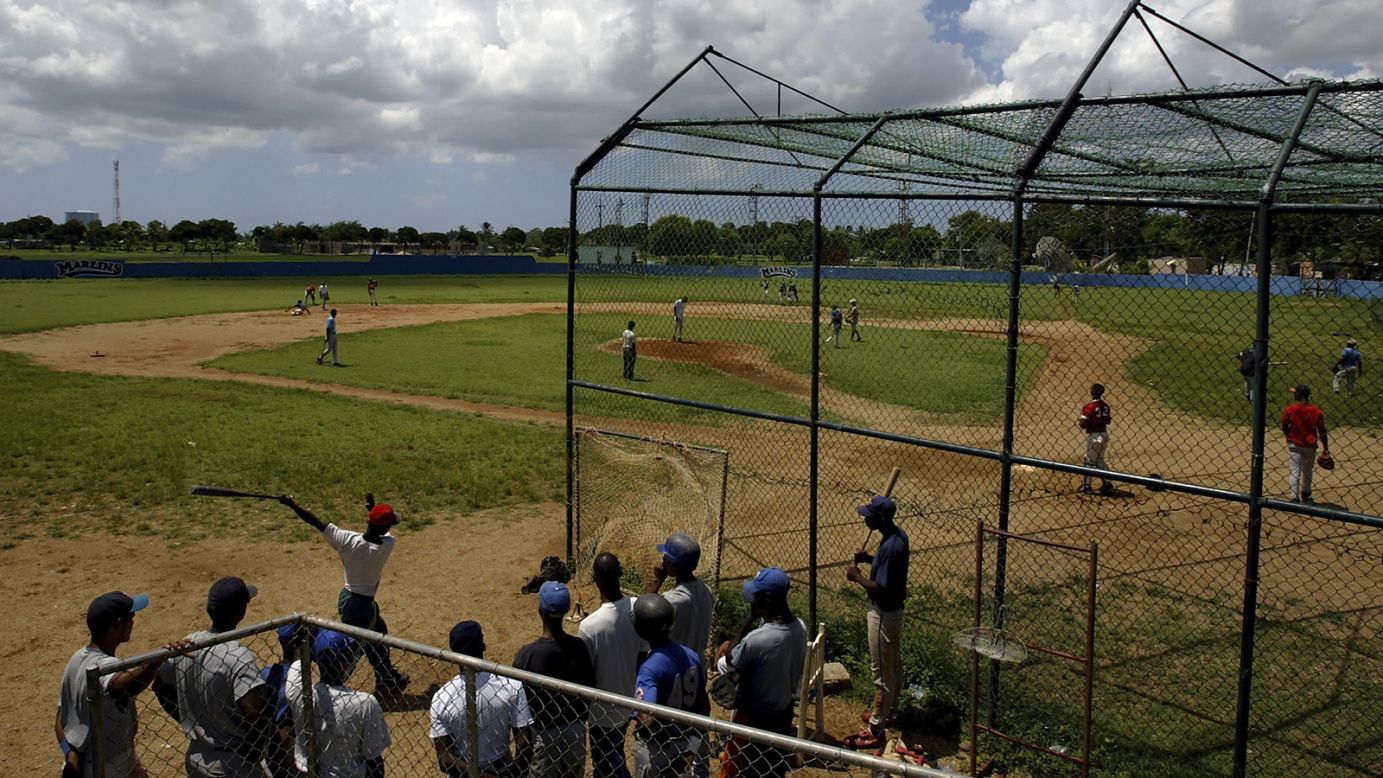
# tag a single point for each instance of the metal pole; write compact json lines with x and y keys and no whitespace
{"x":309,"y":699}
{"x":1092,"y":584}
{"x":472,"y":726}
{"x":814,"y":477}
{"x":96,"y":740}
{"x":1015,"y":290}
{"x":1260,"y":414}
{"x":974,"y":656}
{"x":571,"y":366}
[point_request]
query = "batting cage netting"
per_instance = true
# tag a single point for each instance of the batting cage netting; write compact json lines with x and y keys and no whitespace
{"x":955,"y":292}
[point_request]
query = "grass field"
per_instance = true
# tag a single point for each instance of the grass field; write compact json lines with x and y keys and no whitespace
{"x":117,"y":455}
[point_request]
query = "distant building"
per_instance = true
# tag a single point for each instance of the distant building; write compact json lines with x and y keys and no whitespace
{"x":85,"y":218}
{"x":607,"y":255}
{"x":1180,"y":266}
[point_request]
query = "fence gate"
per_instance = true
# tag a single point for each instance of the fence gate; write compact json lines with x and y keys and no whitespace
{"x":1032,"y":646}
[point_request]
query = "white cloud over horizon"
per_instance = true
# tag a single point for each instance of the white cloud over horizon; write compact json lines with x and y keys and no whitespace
{"x":515,"y":92}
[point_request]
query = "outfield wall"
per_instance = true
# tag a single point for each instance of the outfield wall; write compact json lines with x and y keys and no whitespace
{"x":376,"y":265}
{"x":397,"y":265}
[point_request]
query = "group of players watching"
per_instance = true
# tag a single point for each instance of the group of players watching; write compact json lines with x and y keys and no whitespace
{"x":243,"y":721}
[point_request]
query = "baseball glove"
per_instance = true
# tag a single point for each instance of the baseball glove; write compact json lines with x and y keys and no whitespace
{"x":1325,"y":461}
{"x":725,"y":690}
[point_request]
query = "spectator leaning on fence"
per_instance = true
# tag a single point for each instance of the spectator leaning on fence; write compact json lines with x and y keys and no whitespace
{"x":672,"y":675}
{"x":559,"y":720}
{"x":769,"y":660}
{"x":110,"y":622}
{"x":501,"y":707}
{"x":349,"y":733}
{"x":279,"y":757}
{"x":614,"y":648}
{"x":217,"y":694}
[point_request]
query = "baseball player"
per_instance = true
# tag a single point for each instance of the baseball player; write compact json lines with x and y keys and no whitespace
{"x":323,"y":293}
{"x":887,"y":588}
{"x":279,"y":758}
{"x":854,"y":318}
{"x":110,"y":622}
{"x":631,"y":351}
{"x":349,"y":733}
{"x":329,"y":342}
{"x":672,"y":675}
{"x":769,"y":659}
{"x":310,"y":293}
{"x":559,"y":721}
{"x":1349,"y":367}
{"x":362,"y":558}
{"x":371,"y":286}
{"x":609,"y":633}
{"x":693,"y":605}
{"x":765,"y":287}
{"x":298,"y":309}
{"x":679,"y":309}
{"x":1248,"y":368}
{"x":501,"y":708}
{"x":1094,"y":419}
{"x":217,"y":694}
{"x":792,"y":292}
{"x":782,"y":292}
{"x":1303,"y":424}
{"x":836,"y":319}
{"x":1075,"y":293}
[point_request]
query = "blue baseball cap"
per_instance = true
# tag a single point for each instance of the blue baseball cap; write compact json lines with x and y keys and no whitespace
{"x":681,"y":550}
{"x":111,"y":607}
{"x":330,"y":644}
{"x":553,"y":599}
{"x":880,"y":507}
{"x":770,"y":580}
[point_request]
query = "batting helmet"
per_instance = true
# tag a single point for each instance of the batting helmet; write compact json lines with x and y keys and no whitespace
{"x":681,"y":550}
{"x":652,"y":617}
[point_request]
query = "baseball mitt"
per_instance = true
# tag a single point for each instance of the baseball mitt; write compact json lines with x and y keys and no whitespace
{"x":1325,"y":461}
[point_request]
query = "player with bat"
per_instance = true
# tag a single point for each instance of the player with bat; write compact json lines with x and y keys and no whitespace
{"x":887,"y":588}
{"x":362,"y":556}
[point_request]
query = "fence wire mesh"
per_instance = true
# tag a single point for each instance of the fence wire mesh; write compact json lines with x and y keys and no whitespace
{"x":241,"y":710}
{"x":909,"y":340}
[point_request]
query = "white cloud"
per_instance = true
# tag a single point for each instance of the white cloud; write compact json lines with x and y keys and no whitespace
{"x":307,"y":169}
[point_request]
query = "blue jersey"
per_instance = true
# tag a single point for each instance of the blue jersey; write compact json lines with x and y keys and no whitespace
{"x":331,"y":325}
{"x":1350,"y":357}
{"x":890,"y":570}
{"x":835,"y":317}
{"x":672,"y":675}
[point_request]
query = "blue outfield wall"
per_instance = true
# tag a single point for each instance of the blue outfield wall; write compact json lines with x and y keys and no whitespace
{"x":395,"y":265}
{"x":377,"y":265}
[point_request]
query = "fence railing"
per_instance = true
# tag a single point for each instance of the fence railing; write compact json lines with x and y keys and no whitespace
{"x":462,"y":716}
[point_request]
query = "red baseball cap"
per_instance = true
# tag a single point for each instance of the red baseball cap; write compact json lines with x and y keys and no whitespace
{"x":383,"y":515}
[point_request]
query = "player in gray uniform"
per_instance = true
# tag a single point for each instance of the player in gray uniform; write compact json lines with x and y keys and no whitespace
{"x":217,"y":694}
{"x":769,"y":659}
{"x":329,"y":342}
{"x":325,"y":294}
{"x":110,"y":622}
{"x":693,"y":605}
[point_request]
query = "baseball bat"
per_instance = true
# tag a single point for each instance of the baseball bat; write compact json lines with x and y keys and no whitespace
{"x":221,"y":491}
{"x":887,"y":492}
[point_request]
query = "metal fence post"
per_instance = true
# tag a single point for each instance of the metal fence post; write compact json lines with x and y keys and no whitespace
{"x":309,"y":722}
{"x":96,"y":740}
{"x":814,"y":477}
{"x":472,"y":725}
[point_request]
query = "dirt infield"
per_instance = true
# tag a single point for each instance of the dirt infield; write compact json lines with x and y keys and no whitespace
{"x":471,"y":566}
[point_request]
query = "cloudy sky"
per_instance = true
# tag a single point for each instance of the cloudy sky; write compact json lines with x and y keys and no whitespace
{"x":439,"y":113}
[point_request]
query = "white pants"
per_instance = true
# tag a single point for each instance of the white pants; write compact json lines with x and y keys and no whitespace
{"x":372,"y":298}
{"x":1347,"y":376}
{"x":676,"y":328}
{"x":559,"y":752}
{"x":885,"y":661}
{"x":328,"y":347}
{"x":1303,"y":460}
{"x":1095,"y":444}
{"x":1250,"y":383}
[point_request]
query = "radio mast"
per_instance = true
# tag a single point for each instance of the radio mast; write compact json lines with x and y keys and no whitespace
{"x":116,"y":206}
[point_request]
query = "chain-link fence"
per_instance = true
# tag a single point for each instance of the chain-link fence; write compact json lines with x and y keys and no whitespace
{"x":828,"y":297}
{"x":234,"y":703}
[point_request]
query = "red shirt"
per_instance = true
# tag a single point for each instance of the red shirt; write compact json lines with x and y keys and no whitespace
{"x":1302,"y":420}
{"x":1096,"y":415}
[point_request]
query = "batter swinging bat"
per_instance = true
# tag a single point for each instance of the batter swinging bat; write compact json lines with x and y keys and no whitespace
{"x":887,"y":492}
{"x":221,"y":491}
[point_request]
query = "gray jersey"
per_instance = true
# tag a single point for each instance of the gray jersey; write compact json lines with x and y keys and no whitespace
{"x":210,"y":683}
{"x":770,"y":660}
{"x":692,"y":606}
{"x":117,"y":716}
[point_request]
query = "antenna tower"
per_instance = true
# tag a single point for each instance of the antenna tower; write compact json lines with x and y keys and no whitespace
{"x":115,"y":210}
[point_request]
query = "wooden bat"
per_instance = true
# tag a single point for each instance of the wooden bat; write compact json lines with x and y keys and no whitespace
{"x":221,"y":491}
{"x":887,"y":492}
